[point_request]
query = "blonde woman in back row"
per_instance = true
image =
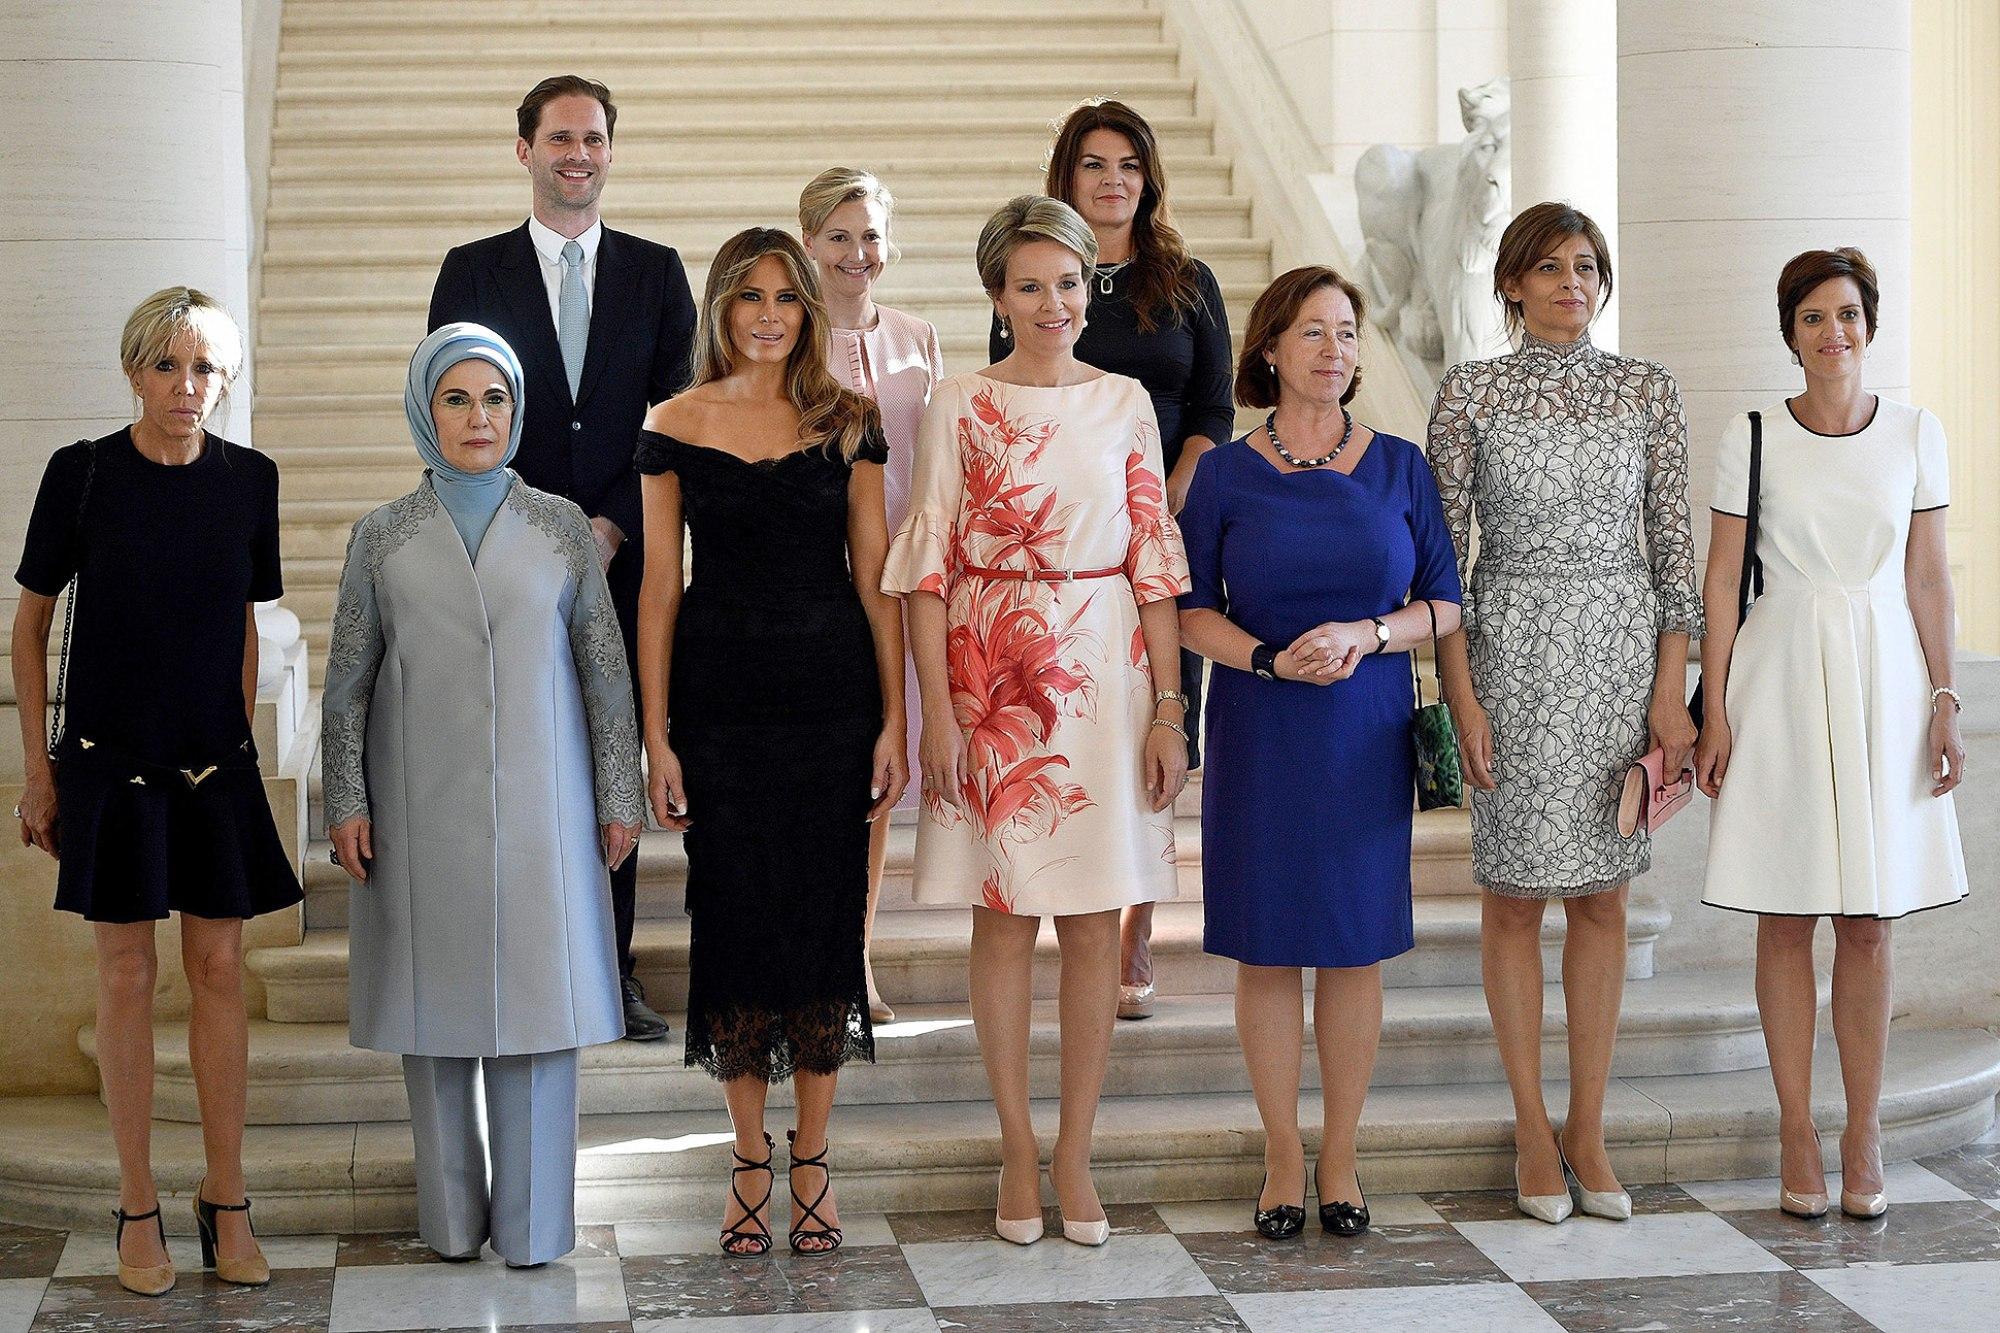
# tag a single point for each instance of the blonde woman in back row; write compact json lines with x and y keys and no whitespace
{"x":883,"y":354}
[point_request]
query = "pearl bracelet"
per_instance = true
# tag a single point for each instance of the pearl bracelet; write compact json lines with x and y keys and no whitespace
{"x":1946,"y":691}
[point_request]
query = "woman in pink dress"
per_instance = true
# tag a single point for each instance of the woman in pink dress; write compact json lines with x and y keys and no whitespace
{"x":886,"y":355}
{"x":1040,"y":568}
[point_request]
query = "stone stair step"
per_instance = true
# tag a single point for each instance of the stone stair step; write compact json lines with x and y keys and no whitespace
{"x":920,"y":957}
{"x":57,"y":1170}
{"x":516,"y":64}
{"x":1696,"y":1023}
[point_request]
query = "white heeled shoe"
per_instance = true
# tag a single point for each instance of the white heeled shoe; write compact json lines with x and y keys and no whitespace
{"x":1025,"y":1231}
{"x":1614,"y":1205}
{"x":1091,"y":1234}
{"x":1550,"y":1208}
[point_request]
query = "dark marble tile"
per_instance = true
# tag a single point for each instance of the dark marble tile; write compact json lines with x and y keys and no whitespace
{"x":1764,"y":1302}
{"x":299,"y":1300}
{"x":1167,"y":1314}
{"x":623,"y":1327}
{"x":672,"y":1286}
{"x":1498,"y":1205}
{"x":402,"y":1247}
{"x":966,"y":1224}
{"x":1975,"y":1168}
{"x":1911,"y":1233}
{"x":29,"y":1251}
{"x":1382,"y":1257}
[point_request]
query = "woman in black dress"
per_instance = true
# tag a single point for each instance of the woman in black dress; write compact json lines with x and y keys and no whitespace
{"x":153,"y":803}
{"x":779,"y":670}
{"x":1156,"y":314}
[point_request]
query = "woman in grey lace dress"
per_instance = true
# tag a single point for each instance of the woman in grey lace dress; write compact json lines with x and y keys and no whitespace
{"x":481,"y":763}
{"x":1572,"y":664}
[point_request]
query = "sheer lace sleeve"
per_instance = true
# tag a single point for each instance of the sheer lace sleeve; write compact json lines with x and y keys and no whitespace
{"x":1669,"y":531}
{"x":351,"y":663}
{"x":598,"y":650}
{"x":1452,"y":445}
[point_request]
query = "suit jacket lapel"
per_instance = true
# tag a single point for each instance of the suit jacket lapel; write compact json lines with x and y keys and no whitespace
{"x":610,"y":307}
{"x":520,"y":277}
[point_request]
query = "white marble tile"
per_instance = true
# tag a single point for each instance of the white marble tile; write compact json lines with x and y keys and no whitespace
{"x":840,"y":1321}
{"x":1918,"y":1298}
{"x":1660,"y":1245}
{"x":95,"y":1254}
{"x":20,"y":1297}
{"x":1905,"y":1182}
{"x":636,"y":1238}
{"x":1385,"y":1210}
{"x":403,"y":1296}
{"x":992,"y":1272}
{"x":1491,"y":1307}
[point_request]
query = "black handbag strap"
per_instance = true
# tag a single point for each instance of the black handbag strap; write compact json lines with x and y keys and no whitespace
{"x":69,"y":603}
{"x":1750,"y":584}
{"x":1416,"y":672}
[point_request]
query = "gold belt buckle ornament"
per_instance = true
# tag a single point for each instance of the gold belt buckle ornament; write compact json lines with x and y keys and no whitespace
{"x":195,"y":779}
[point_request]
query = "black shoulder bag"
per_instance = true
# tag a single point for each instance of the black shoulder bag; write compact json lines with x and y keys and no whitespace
{"x":69,"y":605}
{"x":1750,"y":583}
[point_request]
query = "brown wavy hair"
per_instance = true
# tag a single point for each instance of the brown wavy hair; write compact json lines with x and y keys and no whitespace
{"x":1164,"y":287}
{"x":1277,"y":307}
{"x":829,"y":412}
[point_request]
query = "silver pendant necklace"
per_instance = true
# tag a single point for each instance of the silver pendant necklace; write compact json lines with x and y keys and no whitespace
{"x":1106,"y":272}
{"x":1271,"y":429}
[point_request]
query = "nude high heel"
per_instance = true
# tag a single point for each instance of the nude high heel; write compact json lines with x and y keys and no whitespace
{"x":1017,"y":1230}
{"x":1807,"y":1206}
{"x":1865,"y":1207}
{"x":155,"y":1279}
{"x":1550,"y":1208}
{"x":252,"y":1271}
{"x":1614,"y":1205}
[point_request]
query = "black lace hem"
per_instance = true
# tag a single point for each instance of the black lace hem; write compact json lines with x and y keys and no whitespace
{"x":742,"y":1042}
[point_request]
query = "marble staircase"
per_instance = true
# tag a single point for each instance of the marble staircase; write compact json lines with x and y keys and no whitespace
{"x":950,"y":100}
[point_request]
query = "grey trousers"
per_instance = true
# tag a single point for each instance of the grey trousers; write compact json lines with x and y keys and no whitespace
{"x":528,"y":1133}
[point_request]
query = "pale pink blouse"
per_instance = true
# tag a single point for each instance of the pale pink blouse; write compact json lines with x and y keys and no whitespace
{"x":897,"y":363}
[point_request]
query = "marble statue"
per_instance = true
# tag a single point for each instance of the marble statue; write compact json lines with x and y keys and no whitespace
{"x":1431,"y":222}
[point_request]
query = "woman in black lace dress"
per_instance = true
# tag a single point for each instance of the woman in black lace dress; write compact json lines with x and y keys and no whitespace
{"x":779,"y":671}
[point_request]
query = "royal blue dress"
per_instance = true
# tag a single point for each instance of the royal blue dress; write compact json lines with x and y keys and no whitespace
{"x":1309,"y":790}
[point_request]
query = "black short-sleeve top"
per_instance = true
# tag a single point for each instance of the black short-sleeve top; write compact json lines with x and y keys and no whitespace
{"x":166,"y":557}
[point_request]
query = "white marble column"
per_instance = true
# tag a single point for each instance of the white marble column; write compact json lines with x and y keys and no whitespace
{"x":1562,"y":63}
{"x":1747,"y":133}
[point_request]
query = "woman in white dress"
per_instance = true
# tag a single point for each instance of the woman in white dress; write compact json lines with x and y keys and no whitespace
{"x":1830,"y":738}
{"x":1040,"y":568}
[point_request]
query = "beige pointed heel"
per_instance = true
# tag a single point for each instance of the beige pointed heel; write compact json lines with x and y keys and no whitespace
{"x":152,"y":1280}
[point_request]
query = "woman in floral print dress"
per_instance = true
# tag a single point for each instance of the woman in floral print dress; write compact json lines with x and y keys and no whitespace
{"x":1041,"y":568}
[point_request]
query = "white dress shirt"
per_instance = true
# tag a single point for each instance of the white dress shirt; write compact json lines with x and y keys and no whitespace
{"x":549,"y":247}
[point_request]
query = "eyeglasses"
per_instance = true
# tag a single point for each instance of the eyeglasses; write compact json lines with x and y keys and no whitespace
{"x":495,"y":403}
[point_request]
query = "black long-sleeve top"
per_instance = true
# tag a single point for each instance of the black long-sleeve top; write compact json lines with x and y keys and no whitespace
{"x":1184,"y":362}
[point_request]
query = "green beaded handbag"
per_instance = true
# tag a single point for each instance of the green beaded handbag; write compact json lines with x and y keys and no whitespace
{"x":1440,"y":782}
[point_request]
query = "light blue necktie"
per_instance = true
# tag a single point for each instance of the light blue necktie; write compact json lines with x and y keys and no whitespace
{"x":573,"y":320}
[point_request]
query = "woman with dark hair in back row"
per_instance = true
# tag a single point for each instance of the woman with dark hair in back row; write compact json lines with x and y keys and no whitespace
{"x":1156,"y":314}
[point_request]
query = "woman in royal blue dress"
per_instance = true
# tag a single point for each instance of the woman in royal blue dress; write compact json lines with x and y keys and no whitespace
{"x":1314,"y":544}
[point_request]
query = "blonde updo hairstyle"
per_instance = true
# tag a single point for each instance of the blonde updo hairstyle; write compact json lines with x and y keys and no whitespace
{"x":1025,"y":218}
{"x":168,"y":315}
{"x":839,"y":185}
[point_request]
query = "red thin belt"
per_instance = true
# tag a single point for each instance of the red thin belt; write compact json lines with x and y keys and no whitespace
{"x":1044,"y":575}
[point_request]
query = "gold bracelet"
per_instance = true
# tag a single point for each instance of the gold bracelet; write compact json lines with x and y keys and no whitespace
{"x":1172,"y":726}
{"x":1171,"y":697}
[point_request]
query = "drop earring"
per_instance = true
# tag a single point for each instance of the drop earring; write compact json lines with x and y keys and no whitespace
{"x":1005,"y":332}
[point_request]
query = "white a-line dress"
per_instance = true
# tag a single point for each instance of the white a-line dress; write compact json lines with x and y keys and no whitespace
{"x":1826,"y":807}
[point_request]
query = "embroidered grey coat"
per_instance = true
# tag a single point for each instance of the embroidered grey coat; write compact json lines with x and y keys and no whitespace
{"x":479,"y":714}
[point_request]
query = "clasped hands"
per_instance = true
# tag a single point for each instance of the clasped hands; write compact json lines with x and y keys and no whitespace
{"x":1327,"y":653}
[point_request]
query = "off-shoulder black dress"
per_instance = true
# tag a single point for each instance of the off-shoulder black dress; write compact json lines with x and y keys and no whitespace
{"x":774,"y":706}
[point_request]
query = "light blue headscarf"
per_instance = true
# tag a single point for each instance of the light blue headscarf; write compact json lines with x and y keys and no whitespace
{"x":471,"y":498}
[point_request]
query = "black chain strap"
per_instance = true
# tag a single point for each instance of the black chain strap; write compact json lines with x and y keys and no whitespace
{"x":69,"y":604}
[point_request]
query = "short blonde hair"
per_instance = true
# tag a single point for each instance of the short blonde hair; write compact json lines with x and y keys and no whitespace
{"x":834,"y":187}
{"x":164,"y":317}
{"x":1025,"y":218}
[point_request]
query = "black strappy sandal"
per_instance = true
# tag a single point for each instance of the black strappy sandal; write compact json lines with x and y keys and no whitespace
{"x":811,"y":1210}
{"x":761,"y":1238}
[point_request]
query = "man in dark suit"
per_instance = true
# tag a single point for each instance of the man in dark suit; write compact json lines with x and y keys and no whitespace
{"x":604,"y":325}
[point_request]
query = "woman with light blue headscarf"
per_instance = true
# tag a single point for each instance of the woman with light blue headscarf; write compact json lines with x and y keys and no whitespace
{"x":481,"y":768}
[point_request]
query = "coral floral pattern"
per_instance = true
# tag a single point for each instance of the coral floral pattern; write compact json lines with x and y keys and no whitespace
{"x":1050,"y":681}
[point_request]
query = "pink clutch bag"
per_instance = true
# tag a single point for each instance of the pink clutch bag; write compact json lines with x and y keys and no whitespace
{"x":1649,"y":799}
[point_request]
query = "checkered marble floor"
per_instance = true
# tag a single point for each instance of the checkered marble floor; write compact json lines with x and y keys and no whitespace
{"x":1706,"y":1255}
